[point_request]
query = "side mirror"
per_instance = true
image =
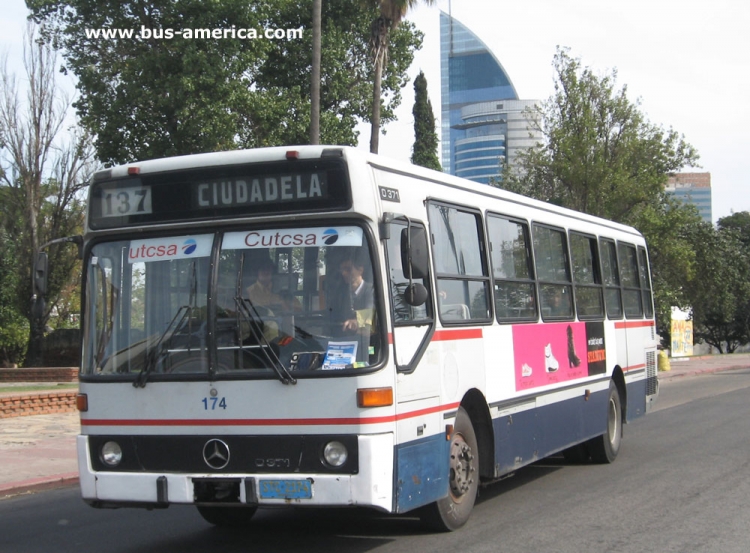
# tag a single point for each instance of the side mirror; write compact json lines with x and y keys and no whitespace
{"x":40,"y":274}
{"x":414,"y":257}
{"x":415,"y":294}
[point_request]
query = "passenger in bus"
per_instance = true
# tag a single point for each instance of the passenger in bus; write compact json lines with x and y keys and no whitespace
{"x":558,"y":302}
{"x":261,"y":291}
{"x":356,"y":306}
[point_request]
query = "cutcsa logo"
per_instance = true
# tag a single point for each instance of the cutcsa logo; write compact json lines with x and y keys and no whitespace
{"x":330,"y":237}
{"x":189,"y":246}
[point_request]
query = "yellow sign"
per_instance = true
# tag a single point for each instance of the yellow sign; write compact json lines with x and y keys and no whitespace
{"x":682,"y":338}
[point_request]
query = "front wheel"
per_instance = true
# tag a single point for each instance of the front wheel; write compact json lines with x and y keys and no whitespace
{"x":451,"y":512}
{"x":604,"y":449}
{"x":230,"y":517}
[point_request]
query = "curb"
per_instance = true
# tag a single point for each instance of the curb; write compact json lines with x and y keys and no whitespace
{"x":34,"y":485}
{"x":669,"y":375}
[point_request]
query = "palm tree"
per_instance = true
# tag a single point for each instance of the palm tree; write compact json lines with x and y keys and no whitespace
{"x":391,"y":14}
{"x":315,"y":81}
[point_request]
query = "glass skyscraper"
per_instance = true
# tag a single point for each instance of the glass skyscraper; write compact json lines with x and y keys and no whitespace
{"x":483,"y":120}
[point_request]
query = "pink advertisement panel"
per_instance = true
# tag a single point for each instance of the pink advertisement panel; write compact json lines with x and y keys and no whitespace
{"x":555,"y":352}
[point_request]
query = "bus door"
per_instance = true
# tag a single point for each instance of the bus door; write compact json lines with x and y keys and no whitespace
{"x":420,"y":440}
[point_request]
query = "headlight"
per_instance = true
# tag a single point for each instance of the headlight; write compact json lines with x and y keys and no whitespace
{"x":335,"y":454}
{"x":112,"y":454}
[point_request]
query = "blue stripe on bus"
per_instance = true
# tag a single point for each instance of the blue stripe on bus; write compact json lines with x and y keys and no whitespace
{"x":520,"y":439}
{"x":527,"y":436}
{"x":636,"y":399}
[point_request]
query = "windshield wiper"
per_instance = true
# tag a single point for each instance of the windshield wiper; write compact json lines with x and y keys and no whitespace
{"x":250,"y":314}
{"x":157,"y":352}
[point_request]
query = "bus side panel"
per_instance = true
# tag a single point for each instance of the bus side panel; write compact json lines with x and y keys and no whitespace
{"x":527,"y":436}
{"x":422,"y":472}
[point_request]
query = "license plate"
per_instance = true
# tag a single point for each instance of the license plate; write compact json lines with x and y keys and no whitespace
{"x":285,"y":489}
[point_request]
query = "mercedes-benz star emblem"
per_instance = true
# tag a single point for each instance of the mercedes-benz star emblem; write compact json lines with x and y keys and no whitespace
{"x":216,"y":454}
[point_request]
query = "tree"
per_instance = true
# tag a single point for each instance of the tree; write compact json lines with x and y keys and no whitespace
{"x":315,"y":77}
{"x":425,"y":138}
{"x":41,"y":180}
{"x":391,"y":14}
{"x":14,"y":327}
{"x":720,"y":290}
{"x":740,"y":222}
{"x":153,"y":96}
{"x":157,"y":96}
{"x":601,"y":156}
{"x":279,"y":111}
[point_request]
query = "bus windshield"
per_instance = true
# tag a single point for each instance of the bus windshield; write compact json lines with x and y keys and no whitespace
{"x":251,"y":303}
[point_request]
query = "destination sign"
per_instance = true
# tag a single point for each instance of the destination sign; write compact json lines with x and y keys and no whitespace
{"x":235,"y":191}
{"x":261,"y":190}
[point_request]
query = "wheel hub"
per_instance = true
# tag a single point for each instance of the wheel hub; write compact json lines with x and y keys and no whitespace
{"x":462,"y":467}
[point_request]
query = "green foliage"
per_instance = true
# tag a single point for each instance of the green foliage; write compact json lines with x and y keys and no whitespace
{"x":601,"y":156}
{"x":424,"y":152}
{"x":41,"y":196}
{"x":160,"y":97}
{"x":280,"y":108}
{"x":14,"y":327}
{"x":720,"y":291}
{"x":669,"y":227}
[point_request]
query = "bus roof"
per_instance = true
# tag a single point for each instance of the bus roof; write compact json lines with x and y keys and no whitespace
{"x":351,"y":155}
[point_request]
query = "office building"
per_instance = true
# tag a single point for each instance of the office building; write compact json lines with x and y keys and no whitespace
{"x":693,"y":188}
{"x":483,"y":121}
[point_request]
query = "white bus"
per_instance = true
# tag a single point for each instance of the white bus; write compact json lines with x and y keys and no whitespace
{"x":317,"y":326}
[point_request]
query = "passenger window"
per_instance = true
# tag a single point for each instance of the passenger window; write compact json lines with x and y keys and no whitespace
{"x":645,"y":275}
{"x":611,"y":278}
{"x":553,"y":273}
{"x":510,"y":247}
{"x":462,"y":276}
{"x":631,"y":290}
{"x":588,"y":288}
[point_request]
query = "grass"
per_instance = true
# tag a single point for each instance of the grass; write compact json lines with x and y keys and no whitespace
{"x":42,"y":387}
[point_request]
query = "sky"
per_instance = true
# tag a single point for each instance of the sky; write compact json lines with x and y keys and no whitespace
{"x":687,"y":63}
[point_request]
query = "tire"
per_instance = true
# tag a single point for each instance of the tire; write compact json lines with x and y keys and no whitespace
{"x":604,"y":448}
{"x":576,"y":455}
{"x":451,"y":512}
{"x":227,"y":517}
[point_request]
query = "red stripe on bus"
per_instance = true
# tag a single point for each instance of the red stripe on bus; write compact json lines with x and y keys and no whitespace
{"x":634,"y":367}
{"x":269,"y":422}
{"x":457,"y":334}
{"x":448,"y":335}
{"x":633,"y":324}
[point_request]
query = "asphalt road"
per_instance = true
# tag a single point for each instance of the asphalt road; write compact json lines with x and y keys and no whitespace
{"x":680,"y":484}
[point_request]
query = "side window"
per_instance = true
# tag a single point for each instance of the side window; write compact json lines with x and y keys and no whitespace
{"x":510,"y":247}
{"x":586,"y":276}
{"x":631,"y":288}
{"x":398,"y":280}
{"x":645,"y":274}
{"x":462,"y":276}
{"x":553,"y":273}
{"x":611,"y":278}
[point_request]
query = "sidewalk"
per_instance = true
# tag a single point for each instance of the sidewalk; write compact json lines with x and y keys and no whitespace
{"x":39,"y":452}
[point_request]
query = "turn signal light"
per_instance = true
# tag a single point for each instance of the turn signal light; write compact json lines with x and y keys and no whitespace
{"x":82,"y":402}
{"x":374,"y":397}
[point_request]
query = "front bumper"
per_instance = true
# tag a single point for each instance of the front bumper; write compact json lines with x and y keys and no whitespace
{"x":371,"y":486}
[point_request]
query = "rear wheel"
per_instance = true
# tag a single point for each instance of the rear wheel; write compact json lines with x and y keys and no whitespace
{"x":604,"y":449}
{"x":451,"y":512}
{"x":231,"y":517}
